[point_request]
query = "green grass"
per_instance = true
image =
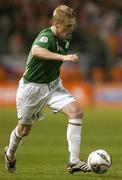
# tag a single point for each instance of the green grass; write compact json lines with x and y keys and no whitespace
{"x":43,"y":154}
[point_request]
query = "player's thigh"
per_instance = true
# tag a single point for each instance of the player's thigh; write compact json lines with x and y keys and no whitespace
{"x":61,"y":100}
{"x":26,"y":96}
{"x":72,"y":110}
{"x":30,"y":99}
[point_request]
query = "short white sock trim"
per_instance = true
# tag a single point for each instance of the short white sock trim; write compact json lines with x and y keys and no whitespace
{"x":76,"y":121}
{"x":14,"y":142}
{"x":74,"y":139}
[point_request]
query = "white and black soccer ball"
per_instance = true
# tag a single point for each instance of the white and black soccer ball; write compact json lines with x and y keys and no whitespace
{"x":99,"y":161}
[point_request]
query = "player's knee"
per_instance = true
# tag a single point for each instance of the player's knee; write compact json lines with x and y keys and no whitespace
{"x":77,"y":113}
{"x":24,"y":130}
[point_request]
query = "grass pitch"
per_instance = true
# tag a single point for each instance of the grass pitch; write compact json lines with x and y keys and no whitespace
{"x":43,"y":154}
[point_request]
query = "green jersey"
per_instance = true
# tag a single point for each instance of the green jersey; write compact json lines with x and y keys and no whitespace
{"x":44,"y":71}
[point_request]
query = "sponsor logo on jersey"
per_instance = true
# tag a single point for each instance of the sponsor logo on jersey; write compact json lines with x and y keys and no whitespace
{"x":44,"y":39}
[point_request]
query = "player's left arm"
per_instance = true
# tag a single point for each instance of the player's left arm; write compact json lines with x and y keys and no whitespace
{"x":46,"y":54}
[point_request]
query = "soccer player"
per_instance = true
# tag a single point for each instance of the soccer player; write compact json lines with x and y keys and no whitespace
{"x":41,"y":85}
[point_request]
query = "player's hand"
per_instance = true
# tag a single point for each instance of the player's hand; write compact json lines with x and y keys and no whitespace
{"x":71,"y":57}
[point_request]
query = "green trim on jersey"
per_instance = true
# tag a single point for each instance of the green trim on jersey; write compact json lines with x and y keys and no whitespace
{"x":44,"y":71}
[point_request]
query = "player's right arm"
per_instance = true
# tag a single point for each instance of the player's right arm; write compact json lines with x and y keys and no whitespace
{"x":45,"y":54}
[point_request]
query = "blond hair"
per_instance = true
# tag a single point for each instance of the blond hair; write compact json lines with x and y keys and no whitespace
{"x":63,"y":13}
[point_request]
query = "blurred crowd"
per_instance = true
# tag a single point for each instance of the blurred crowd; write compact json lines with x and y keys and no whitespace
{"x":97,"y":37}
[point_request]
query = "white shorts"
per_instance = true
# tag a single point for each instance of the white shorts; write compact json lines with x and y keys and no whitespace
{"x":33,"y":97}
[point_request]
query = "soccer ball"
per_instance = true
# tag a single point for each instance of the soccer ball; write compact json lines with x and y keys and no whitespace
{"x":99,"y":161}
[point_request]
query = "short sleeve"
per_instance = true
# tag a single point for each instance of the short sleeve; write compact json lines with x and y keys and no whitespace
{"x":43,"y":41}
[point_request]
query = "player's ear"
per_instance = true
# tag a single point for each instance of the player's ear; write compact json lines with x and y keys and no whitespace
{"x":56,"y":24}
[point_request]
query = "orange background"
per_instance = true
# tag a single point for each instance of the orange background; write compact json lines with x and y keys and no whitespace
{"x":8,"y":94}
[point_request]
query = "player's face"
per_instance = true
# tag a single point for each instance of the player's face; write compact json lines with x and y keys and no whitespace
{"x":65,"y":29}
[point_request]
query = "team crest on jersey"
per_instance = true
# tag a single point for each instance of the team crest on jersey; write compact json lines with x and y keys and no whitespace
{"x":67,"y":44}
{"x":44,"y":39}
